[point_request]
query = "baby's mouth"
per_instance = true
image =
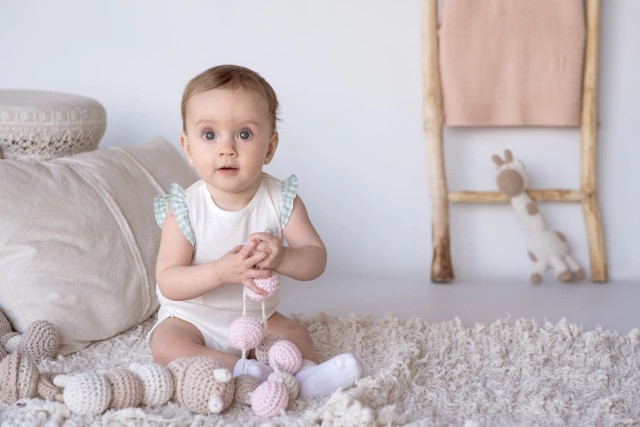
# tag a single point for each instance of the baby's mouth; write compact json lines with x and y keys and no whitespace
{"x":227,"y":170}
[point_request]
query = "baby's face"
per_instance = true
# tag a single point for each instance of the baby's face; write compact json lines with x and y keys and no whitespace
{"x":229,"y":137}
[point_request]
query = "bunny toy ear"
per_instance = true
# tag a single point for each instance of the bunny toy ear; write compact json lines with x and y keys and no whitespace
{"x":497,"y":160}
{"x":222,"y":375}
{"x":508,"y":156}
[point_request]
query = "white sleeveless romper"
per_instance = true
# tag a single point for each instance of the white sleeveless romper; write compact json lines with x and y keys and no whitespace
{"x":213,"y":232}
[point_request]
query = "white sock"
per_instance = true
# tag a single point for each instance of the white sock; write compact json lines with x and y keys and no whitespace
{"x":258,"y":370}
{"x":340,"y":371}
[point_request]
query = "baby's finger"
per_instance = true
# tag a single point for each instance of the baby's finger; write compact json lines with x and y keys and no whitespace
{"x":263,"y":237}
{"x":248,"y":248}
{"x":265,"y":262}
{"x":261,"y":274}
{"x":249,"y":284}
{"x":264,"y":247}
{"x":257,"y":257}
{"x":236,"y":249}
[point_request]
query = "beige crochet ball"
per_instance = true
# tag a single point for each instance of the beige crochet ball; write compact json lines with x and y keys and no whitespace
{"x":262,"y":350}
{"x":40,"y":340}
{"x":203,"y":385}
{"x":5,"y":326}
{"x":126,"y":388}
{"x":289,"y":382}
{"x":245,"y":385}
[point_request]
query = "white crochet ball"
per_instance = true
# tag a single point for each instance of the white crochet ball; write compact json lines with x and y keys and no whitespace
{"x":157,"y":383}
{"x":87,"y":393}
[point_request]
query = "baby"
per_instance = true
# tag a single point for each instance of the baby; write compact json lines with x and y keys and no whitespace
{"x":227,"y":229}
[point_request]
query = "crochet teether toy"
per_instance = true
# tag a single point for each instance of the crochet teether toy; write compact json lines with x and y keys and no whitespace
{"x":92,"y":393}
{"x":272,"y":397}
{"x":39,"y":341}
{"x":20,"y":378}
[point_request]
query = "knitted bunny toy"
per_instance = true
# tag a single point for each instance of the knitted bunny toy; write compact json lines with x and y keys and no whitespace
{"x":20,"y":379}
{"x":202,"y":384}
{"x":40,"y":340}
{"x":92,"y":393}
{"x":547,"y":248}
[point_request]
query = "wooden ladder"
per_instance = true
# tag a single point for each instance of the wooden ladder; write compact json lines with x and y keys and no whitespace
{"x":441,"y":266}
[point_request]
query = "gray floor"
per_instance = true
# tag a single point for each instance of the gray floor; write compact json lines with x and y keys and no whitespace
{"x":611,"y":306}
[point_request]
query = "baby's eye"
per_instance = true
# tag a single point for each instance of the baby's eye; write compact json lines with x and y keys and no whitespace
{"x":209,"y":135}
{"x":244,"y":134}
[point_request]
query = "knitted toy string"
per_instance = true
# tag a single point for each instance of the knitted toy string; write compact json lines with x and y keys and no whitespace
{"x":243,"y":332}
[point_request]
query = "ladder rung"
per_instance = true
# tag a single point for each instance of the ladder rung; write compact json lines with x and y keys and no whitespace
{"x":498,"y":197}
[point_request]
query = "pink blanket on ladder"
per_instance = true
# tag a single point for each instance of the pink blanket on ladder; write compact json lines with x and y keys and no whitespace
{"x":512,"y":62}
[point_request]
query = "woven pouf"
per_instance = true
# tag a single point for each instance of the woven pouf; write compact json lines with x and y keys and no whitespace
{"x":41,"y":125}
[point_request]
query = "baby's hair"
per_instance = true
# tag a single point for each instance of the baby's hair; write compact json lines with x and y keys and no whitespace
{"x":234,"y":76}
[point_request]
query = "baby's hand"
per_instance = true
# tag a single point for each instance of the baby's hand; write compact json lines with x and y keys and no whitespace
{"x":238,"y":266}
{"x":272,"y":247}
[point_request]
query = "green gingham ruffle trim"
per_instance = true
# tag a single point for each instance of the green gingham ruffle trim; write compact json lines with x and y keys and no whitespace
{"x":180,"y":211}
{"x":289,"y":188}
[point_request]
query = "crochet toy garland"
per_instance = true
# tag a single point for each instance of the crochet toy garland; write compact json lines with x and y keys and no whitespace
{"x":200,"y":384}
{"x":273,"y":396}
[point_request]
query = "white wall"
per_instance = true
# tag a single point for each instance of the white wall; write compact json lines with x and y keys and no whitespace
{"x":348,"y":74}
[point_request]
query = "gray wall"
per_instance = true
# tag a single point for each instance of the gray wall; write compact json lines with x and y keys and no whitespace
{"x":349,"y":79}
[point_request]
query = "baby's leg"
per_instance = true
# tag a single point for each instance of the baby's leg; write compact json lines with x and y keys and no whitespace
{"x":315,"y":380}
{"x":294,"y":332}
{"x":174,"y":338}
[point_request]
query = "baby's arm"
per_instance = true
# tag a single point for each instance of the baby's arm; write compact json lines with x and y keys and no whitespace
{"x":305,"y":258}
{"x":179,"y":280}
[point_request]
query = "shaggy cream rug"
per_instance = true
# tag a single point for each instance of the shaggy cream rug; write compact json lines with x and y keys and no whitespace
{"x":506,"y":373}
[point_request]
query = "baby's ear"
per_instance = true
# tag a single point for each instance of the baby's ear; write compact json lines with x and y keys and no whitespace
{"x":184,"y":143}
{"x":273,"y":145}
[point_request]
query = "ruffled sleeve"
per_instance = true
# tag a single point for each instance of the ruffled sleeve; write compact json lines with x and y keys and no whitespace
{"x":178,"y":201}
{"x":289,"y":190}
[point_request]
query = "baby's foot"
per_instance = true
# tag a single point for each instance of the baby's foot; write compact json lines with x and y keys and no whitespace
{"x":258,"y":370}
{"x":317,"y":380}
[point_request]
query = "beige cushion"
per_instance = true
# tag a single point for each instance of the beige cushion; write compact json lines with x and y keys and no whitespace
{"x":79,"y":241}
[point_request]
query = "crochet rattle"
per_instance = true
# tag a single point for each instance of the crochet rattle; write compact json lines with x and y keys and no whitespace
{"x":92,"y":393}
{"x":20,"y":379}
{"x":40,"y":340}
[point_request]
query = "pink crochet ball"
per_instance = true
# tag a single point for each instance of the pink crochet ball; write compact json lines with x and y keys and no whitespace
{"x":270,"y":399}
{"x":270,"y":284}
{"x":245,"y":333}
{"x":286,"y":356}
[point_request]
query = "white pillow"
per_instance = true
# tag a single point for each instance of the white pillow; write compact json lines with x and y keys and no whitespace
{"x":78,"y":239}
